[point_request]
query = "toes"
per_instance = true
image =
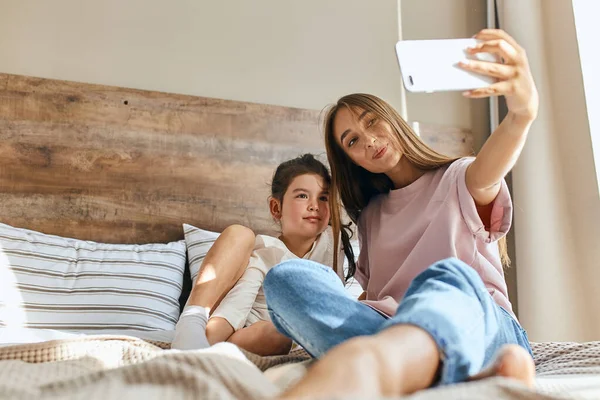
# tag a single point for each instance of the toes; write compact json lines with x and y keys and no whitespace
{"x":512,"y":361}
{"x":515,"y":362}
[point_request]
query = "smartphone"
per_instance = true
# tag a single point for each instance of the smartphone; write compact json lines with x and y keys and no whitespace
{"x":432,"y":65}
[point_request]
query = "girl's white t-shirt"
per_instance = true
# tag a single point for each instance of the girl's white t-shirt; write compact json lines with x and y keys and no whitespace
{"x":245,"y":303}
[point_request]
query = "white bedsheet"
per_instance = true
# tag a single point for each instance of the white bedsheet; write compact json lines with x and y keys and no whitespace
{"x":13,"y":336}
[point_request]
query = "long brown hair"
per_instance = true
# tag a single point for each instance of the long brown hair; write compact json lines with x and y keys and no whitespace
{"x":354,"y":185}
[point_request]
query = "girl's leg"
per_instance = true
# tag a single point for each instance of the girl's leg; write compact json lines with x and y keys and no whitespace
{"x":234,"y":310}
{"x":223,"y":265}
{"x":445,"y":329}
{"x":308,"y":303}
{"x":262,"y":338}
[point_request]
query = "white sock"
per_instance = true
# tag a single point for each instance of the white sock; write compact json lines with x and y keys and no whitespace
{"x":190,"y":332}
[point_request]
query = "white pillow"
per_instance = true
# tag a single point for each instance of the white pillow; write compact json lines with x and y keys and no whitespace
{"x":198,"y":242}
{"x":66,"y":284}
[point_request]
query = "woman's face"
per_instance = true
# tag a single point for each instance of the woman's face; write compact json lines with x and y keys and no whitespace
{"x":366,"y":139}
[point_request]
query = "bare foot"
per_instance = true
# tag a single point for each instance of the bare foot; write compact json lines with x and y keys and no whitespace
{"x":512,"y":361}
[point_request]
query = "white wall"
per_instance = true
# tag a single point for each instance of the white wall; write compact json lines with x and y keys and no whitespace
{"x":557,"y":210}
{"x":295,"y":53}
{"x":573,"y":123}
{"x":588,"y":31}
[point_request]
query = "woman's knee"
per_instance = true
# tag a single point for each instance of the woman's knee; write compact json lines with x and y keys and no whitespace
{"x":455,"y":268}
{"x":297,"y":274}
{"x":286,"y":283}
{"x":281,"y":277}
{"x":450,"y":272}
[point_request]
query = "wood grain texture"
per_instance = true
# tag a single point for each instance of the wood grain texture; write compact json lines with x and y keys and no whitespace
{"x":447,"y":140}
{"x":120,"y":165}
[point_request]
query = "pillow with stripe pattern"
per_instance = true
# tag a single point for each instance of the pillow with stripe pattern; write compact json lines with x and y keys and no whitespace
{"x":52,"y":282}
{"x":198,"y":242}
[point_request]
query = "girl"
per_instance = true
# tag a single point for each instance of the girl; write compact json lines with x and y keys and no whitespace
{"x":299,"y":201}
{"x":433,"y":322}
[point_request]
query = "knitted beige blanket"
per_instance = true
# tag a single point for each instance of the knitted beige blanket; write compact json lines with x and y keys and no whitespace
{"x":106,"y":367}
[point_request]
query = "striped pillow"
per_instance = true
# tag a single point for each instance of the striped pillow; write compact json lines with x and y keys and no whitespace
{"x":73,"y":285}
{"x":198,"y":242}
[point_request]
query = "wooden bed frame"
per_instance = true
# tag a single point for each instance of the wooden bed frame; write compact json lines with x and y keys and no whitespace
{"x":120,"y":165}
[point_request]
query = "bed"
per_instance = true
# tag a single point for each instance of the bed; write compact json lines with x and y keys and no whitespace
{"x":106,"y":166}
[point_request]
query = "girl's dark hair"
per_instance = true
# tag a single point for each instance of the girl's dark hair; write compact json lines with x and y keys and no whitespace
{"x":287,"y":171}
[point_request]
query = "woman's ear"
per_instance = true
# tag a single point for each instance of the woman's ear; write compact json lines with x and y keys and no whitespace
{"x":275,"y":208}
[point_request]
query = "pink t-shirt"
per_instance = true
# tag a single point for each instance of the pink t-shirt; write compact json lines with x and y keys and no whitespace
{"x":403,"y":232}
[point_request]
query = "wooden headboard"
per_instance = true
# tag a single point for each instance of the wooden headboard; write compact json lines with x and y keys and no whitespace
{"x":121,"y":165}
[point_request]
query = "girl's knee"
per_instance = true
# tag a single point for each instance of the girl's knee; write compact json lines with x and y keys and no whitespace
{"x":243,"y":236}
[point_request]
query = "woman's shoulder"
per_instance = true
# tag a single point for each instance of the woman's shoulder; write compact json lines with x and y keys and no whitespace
{"x":372,"y":205}
{"x":452,"y":173}
{"x":460,"y":164}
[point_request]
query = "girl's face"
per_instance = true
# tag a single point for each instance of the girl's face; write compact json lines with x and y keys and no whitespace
{"x":304,"y":211}
{"x":366,"y":139}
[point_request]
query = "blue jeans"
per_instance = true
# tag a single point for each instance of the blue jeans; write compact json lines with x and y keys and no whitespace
{"x":308,"y":303}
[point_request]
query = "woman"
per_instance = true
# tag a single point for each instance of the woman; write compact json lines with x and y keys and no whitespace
{"x":423,"y":321}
